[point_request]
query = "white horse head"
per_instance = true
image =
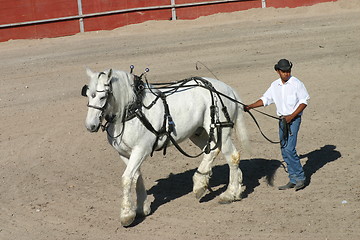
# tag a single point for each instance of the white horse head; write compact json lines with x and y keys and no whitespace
{"x":109,"y":92}
{"x":98,"y":92}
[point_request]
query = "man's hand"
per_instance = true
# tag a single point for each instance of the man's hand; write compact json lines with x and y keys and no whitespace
{"x":256,"y":104}
{"x":288,"y":118}
{"x":300,"y":108}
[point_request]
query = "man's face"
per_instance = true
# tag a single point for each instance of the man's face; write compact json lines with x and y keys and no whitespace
{"x":284,"y":75}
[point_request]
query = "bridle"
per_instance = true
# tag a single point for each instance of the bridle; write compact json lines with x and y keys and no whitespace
{"x":107,"y":90}
{"x":102,"y":109}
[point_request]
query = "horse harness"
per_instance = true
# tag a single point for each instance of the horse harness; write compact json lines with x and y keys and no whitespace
{"x":135,"y":110}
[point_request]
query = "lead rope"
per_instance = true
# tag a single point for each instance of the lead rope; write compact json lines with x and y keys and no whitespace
{"x":182,"y":82}
{"x":168,"y":119}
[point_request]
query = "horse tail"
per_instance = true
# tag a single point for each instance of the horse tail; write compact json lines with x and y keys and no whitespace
{"x":240,"y":127}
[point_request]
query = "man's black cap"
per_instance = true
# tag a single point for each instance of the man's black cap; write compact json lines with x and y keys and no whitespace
{"x":283,"y":65}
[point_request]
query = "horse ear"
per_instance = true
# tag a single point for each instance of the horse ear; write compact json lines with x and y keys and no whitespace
{"x":89,"y":72}
{"x":110,"y":74}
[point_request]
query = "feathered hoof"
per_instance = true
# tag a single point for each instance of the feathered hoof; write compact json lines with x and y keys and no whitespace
{"x":145,"y":210}
{"x":227,"y":198}
{"x":200,"y":192}
{"x":127,"y":219}
{"x":225,"y":201}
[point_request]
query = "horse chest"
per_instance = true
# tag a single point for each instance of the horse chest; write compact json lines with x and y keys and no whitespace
{"x":121,"y":147}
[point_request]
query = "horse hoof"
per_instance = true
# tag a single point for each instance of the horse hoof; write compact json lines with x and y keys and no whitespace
{"x":226,"y":199}
{"x":127,"y":220}
{"x":145,"y":210}
{"x":199,"y":193}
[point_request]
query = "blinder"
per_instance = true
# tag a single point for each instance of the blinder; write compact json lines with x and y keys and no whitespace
{"x":84,"y":90}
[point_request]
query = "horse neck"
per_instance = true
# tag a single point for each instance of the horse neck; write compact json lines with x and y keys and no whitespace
{"x":123,"y":94}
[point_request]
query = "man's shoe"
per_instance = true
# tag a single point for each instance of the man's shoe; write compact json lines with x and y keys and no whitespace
{"x":287,"y":186}
{"x":299,"y":185}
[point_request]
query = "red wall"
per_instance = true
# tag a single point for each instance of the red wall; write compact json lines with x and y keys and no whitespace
{"x":15,"y":11}
{"x":12,"y":11}
{"x":293,"y":3}
{"x":118,"y":20}
{"x":29,"y":10}
{"x":204,"y":10}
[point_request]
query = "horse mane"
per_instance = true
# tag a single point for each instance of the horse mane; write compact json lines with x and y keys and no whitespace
{"x":122,"y":90}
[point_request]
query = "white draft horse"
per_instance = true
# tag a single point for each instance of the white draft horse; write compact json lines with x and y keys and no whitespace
{"x":112,"y":93}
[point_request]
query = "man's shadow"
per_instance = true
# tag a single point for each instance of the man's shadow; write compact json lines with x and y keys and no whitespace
{"x":317,"y":159}
{"x":178,"y":185}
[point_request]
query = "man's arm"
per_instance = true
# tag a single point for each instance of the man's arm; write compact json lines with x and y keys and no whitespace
{"x":258,"y":103}
{"x":299,"y":109}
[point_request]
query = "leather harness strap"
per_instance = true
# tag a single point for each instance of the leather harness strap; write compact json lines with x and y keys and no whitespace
{"x":136,"y":109}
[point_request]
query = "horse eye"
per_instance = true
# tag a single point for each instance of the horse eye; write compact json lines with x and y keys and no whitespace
{"x":93,"y":95}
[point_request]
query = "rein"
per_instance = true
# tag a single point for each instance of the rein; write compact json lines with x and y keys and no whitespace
{"x":180,"y":85}
{"x":174,"y":89}
{"x":135,"y":110}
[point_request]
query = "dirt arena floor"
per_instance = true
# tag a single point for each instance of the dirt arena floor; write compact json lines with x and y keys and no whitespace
{"x":58,"y":181}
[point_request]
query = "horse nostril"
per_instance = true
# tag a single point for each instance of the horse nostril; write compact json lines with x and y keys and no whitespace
{"x":91,"y":128}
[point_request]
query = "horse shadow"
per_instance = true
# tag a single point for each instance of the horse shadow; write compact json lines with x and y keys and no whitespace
{"x":318,"y":159}
{"x":180,"y":184}
{"x":177,"y":185}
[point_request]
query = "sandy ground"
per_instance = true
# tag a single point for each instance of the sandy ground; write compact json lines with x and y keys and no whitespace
{"x":59,"y":181}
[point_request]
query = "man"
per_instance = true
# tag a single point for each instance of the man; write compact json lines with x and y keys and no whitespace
{"x":291,"y":98}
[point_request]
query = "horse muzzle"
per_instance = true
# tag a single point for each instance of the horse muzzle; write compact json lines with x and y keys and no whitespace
{"x":93,"y":124}
{"x":93,"y":127}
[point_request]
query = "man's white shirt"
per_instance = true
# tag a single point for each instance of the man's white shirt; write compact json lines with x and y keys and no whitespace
{"x":287,"y":97}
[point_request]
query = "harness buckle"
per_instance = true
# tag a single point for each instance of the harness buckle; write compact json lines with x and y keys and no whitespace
{"x":225,"y":124}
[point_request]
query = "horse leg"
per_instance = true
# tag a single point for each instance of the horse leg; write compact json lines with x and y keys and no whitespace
{"x":131,"y":175}
{"x":233,"y":191}
{"x":203,"y":173}
{"x":143,"y":205}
